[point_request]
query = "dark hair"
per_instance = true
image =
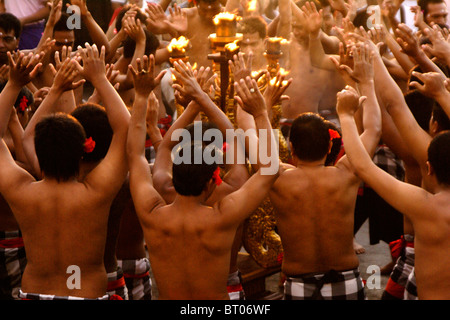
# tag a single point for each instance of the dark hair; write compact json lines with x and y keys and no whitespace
{"x":61,"y":24}
{"x":337,"y":145}
{"x":440,"y":117}
{"x":59,"y":141}
{"x":253,"y":24}
{"x":421,"y":107}
{"x":139,"y":15}
{"x":10,"y":22}
{"x":24,"y":93}
{"x":190,"y":179}
{"x":95,"y":122}
{"x":423,"y":4}
{"x":310,"y":137}
{"x":151,"y":44}
{"x":439,"y":157}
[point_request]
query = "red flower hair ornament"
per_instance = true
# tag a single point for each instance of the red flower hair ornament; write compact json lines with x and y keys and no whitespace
{"x":216,"y":177}
{"x":334,"y":134}
{"x":89,"y":145}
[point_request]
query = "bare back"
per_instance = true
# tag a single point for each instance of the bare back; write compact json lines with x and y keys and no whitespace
{"x":63,"y":224}
{"x":315,"y":213}
{"x":189,"y":251}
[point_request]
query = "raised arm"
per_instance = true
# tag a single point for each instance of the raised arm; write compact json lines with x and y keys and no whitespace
{"x":145,"y":197}
{"x":387,"y":89}
{"x":408,"y":199}
{"x":239,"y":204}
{"x":62,"y":83}
{"x":110,"y":173}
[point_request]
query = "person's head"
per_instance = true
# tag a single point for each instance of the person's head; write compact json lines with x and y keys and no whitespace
{"x":151,"y":44}
{"x":207,"y":9}
{"x":95,"y":123}
{"x":59,"y":141}
{"x":188,"y":177}
{"x":439,"y":120}
{"x":254,"y":33}
{"x":62,"y":34}
{"x":439,"y":158}
{"x":309,"y":137}
{"x":421,"y":107}
{"x":337,"y":144}
{"x":10,"y":31}
{"x":434,"y":11}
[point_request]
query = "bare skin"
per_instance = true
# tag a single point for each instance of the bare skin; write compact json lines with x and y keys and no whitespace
{"x":188,"y":239}
{"x":52,"y":215}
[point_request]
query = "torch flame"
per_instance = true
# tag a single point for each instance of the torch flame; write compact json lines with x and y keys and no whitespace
{"x":224,"y":16}
{"x":179,"y":44}
{"x":232,"y":46}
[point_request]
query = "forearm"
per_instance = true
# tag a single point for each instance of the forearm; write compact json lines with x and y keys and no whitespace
{"x":213,"y":113}
{"x":426,"y":64}
{"x":318,"y":57}
{"x":444,"y":101}
{"x":371,"y":117}
{"x":285,"y":18}
{"x":116,"y":110}
{"x":35,"y":17}
{"x":137,"y":128}
{"x":95,"y":32}
{"x":7,"y":99}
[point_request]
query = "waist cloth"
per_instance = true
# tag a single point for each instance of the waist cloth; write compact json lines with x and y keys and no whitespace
{"x":332,"y":285}
{"x":12,"y":263}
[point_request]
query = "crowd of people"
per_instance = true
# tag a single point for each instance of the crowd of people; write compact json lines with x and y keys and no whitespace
{"x":93,"y":193}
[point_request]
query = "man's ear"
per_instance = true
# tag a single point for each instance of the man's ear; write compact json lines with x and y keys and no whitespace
{"x":430,"y":169}
{"x":330,"y":146}
{"x":434,"y":128}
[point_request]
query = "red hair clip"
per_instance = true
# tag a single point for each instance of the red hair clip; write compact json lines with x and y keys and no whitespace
{"x":89,"y":145}
{"x":23,"y":104}
{"x":216,"y":177}
{"x":334,"y":134}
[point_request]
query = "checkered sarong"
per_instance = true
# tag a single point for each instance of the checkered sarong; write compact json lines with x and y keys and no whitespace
{"x":12,"y":264}
{"x":234,"y":286}
{"x":395,"y":288}
{"x":37,"y":296}
{"x":411,"y":287}
{"x":137,"y":278}
{"x":389,"y":162}
{"x":333,"y":285}
{"x":116,"y":284}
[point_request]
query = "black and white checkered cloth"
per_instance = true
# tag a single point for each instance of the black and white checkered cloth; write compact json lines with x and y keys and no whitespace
{"x":411,"y":287}
{"x":116,"y":284}
{"x":234,"y":286}
{"x":333,"y":285}
{"x":137,"y":278}
{"x":12,"y":264}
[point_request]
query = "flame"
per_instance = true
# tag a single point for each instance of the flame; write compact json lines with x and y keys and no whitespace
{"x":224,"y":16}
{"x":179,"y":44}
{"x":283,"y":72}
{"x":232,"y":46}
{"x":252,"y":5}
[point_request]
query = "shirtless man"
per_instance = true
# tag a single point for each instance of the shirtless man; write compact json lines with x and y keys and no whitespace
{"x":315,"y":203}
{"x":37,"y":205}
{"x":428,"y":211}
{"x":188,"y":239}
{"x":307,"y":87}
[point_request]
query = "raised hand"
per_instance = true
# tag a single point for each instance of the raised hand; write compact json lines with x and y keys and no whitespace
{"x":241,"y":67}
{"x":133,"y":28}
{"x":144,"y":77}
{"x":407,"y":41}
{"x":314,"y":18}
{"x":275,"y":89}
{"x":93,"y":69}
{"x":178,"y":19}
{"x":440,"y":46}
{"x":249,"y":97}
{"x":82,"y":5}
{"x":157,"y":21}
{"x":348,"y":101}
{"x":22,"y":69}
{"x":433,"y":84}
{"x":66,"y":75}
{"x":187,"y":83}
{"x":362,"y":64}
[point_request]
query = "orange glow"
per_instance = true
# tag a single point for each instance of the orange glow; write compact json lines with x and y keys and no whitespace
{"x":179,"y":45}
